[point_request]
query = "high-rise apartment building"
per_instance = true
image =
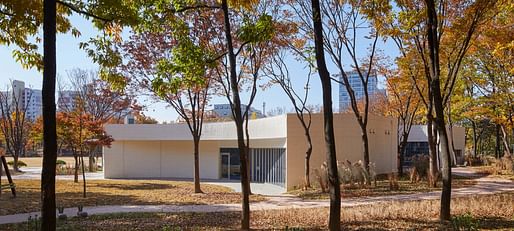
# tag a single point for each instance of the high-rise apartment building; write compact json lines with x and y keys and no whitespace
{"x":358,"y":88}
{"x":66,"y":100}
{"x":224,"y":110}
{"x":27,"y":99}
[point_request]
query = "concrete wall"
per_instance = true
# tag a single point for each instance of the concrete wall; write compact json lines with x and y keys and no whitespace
{"x":382,"y":144}
{"x":160,"y":159}
{"x":169,"y":159}
{"x":266,"y":128}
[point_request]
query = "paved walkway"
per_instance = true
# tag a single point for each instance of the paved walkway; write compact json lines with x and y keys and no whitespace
{"x":257,"y":188}
{"x":485,"y":185}
{"x":34,"y":173}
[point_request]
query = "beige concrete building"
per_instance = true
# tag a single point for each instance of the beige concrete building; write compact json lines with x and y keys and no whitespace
{"x":277,"y":149}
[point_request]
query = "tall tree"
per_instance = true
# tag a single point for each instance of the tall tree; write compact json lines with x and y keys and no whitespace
{"x":490,"y":71}
{"x":96,"y":99}
{"x":174,"y":65}
{"x":49,"y":121}
{"x":22,"y":19}
{"x":241,"y":18}
{"x":333,"y":177}
{"x":471,"y":18}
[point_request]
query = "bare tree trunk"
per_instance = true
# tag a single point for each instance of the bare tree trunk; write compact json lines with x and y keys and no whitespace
{"x":498,"y":142}
{"x":83,"y":174}
{"x":453,"y":157}
{"x":15,"y":162}
{"x":365,"y":148}
{"x":307,"y":159}
{"x":196,"y":154}
{"x":445,"y":156}
{"x":474,"y":127}
{"x":401,"y":153}
{"x":435,"y":86}
{"x":49,"y":121}
{"x":245,"y":184}
{"x":76,"y":175}
{"x":505,"y":138}
{"x":7,"y":174}
{"x":92,"y":165}
{"x":249,"y":153}
{"x":432,"y":151}
{"x":334,"y":222}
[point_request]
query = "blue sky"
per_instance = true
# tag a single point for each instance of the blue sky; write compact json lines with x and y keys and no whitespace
{"x":69,"y":56}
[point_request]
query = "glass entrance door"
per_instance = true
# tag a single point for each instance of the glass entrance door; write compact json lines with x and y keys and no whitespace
{"x":225,"y":165}
{"x":230,"y":164}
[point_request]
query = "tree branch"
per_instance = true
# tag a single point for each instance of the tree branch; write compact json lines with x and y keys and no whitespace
{"x":83,"y":12}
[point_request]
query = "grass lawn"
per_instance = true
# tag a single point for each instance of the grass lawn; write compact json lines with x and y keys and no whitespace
{"x":117,"y":192}
{"x":489,"y":212}
{"x":382,"y":189}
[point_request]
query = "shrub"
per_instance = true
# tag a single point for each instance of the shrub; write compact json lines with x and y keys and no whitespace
{"x":420,"y":167}
{"x":465,"y":222}
{"x":60,"y":162}
{"x":508,"y":164}
{"x":472,"y":160}
{"x":355,"y":172}
{"x":20,"y":163}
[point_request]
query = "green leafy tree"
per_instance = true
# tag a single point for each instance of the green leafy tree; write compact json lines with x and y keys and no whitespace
{"x":238,"y":43}
{"x":21,"y":20}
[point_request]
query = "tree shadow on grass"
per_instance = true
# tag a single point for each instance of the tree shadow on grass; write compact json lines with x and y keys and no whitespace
{"x":496,"y":223}
{"x":392,"y":224}
{"x":140,"y":186}
{"x":26,"y":202}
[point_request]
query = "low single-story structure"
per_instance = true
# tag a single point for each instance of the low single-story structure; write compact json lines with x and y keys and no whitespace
{"x":277,"y":147}
{"x":417,"y":143}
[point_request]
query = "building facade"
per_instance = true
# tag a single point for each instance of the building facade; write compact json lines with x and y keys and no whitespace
{"x":417,"y":144}
{"x":33,"y":99}
{"x":66,"y":100}
{"x":358,"y":88}
{"x":277,"y":149}
{"x":25,"y":99}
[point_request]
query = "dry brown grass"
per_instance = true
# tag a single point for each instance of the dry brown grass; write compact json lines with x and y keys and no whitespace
{"x":491,"y":172}
{"x":492,"y":211}
{"x":382,"y":189}
{"x":117,"y":192}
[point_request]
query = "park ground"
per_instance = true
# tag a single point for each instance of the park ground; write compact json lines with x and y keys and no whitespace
{"x":413,"y":206}
{"x":485,"y":212}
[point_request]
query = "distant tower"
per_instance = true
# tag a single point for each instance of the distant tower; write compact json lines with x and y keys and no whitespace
{"x":18,"y":91}
{"x":264,"y":108}
{"x":358,"y":88}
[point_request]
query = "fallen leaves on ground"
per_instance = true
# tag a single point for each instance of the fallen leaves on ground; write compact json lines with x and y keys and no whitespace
{"x":381,"y":189}
{"x":492,"y":212}
{"x":117,"y":192}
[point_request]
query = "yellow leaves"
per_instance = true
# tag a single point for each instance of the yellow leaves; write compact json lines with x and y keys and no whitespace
{"x":299,"y":43}
{"x":245,"y":4}
{"x":114,"y":30}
